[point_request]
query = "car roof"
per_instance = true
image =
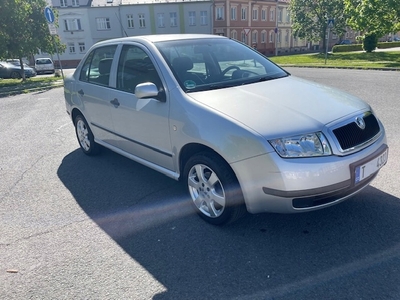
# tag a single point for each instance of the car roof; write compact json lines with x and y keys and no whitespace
{"x":160,"y":38}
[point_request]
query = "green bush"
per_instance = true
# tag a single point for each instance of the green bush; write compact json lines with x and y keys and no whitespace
{"x":385,"y":45}
{"x":370,"y":42}
{"x":346,"y":48}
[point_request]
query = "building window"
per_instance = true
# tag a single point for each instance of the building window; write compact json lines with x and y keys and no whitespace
{"x":103,"y":23}
{"x":279,"y":15}
{"x":82,"y":47}
{"x":278,"y":38}
{"x":233,"y":13}
{"x":263,"y":14}
{"x":244,"y":37}
{"x":254,"y":37}
{"x":71,"y":47}
{"x":219,"y":13}
{"x":160,"y":20}
{"x":272,"y":15}
{"x":203,"y":18}
{"x":63,"y":3}
{"x":234,"y":35}
{"x":255,"y":14}
{"x":244,"y":13}
{"x":142,"y":23}
{"x":72,"y":24}
{"x":263,"y":36}
{"x":75,"y":3}
{"x":192,"y":18}
{"x":287,"y":17}
{"x":130,"y":21}
{"x":271,"y":36}
{"x":173,"y":19}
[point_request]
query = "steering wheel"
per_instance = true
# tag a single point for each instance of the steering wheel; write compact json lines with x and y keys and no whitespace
{"x":229,"y":68}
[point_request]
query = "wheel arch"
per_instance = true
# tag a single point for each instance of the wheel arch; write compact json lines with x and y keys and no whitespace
{"x":191,"y":149}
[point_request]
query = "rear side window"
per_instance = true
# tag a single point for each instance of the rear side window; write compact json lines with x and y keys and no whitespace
{"x":97,"y":66}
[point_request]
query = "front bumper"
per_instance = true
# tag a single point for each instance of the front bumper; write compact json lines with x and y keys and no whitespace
{"x":272,"y":184}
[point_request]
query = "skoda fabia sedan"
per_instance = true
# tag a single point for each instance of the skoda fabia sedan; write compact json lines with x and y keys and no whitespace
{"x":240,"y":132}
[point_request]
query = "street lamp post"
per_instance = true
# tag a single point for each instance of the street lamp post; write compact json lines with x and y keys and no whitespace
{"x":276,"y":28}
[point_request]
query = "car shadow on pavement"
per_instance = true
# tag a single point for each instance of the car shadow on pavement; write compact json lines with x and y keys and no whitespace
{"x":348,"y":251}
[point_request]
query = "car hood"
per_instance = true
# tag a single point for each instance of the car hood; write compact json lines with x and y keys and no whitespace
{"x":282,"y":106}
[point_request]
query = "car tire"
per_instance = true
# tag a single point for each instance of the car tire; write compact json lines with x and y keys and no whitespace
{"x":15,"y":75}
{"x":214,"y":190}
{"x":85,"y":136}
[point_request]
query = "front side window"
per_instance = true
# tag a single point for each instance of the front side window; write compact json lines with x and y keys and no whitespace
{"x":142,"y":22}
{"x":97,"y":66}
{"x":135,"y":67}
{"x":103,"y":23}
{"x":173,"y":19}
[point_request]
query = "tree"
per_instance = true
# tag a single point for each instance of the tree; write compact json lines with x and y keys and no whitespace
{"x":377,"y":17}
{"x":310,"y":18}
{"x":24,"y":29}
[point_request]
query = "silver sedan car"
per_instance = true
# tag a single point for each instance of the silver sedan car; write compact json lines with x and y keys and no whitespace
{"x":240,"y":132}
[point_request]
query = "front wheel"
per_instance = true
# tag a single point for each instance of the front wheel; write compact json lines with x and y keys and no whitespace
{"x":214,"y":189}
{"x":85,"y":136}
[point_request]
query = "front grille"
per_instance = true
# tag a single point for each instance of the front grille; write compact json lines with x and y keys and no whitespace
{"x":351,"y":135}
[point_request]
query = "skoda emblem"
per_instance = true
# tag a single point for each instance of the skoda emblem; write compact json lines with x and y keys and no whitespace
{"x":360,"y":122}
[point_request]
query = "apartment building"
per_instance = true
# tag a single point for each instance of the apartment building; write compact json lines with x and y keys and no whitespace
{"x":263,"y":25}
{"x":82,"y":23}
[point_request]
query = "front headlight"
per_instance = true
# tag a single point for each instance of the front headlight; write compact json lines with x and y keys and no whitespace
{"x":306,"y":145}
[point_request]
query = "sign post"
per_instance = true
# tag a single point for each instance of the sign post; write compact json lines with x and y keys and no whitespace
{"x":331,"y":23}
{"x":50,"y":18}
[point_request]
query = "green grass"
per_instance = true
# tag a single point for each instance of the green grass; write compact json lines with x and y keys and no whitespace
{"x":360,"y":60}
{"x":29,"y":81}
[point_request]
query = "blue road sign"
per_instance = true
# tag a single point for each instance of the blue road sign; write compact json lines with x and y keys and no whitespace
{"x":49,"y":15}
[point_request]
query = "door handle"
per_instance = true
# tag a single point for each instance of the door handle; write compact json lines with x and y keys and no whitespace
{"x":115,"y":102}
{"x":80,"y":92}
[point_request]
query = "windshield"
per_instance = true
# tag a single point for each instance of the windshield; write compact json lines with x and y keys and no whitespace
{"x":205,"y":64}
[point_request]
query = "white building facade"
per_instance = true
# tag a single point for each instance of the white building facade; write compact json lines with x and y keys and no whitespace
{"x":82,"y":23}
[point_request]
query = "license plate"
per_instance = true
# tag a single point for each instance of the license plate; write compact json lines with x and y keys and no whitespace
{"x":369,"y":168}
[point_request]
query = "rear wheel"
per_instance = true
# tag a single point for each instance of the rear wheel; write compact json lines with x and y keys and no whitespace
{"x":15,"y":75}
{"x":214,"y":189}
{"x":85,"y":136}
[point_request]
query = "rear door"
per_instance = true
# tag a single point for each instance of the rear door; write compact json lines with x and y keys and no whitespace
{"x":93,"y":88}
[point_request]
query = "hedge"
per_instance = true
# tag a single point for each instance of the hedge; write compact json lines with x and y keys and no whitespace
{"x":358,"y":47}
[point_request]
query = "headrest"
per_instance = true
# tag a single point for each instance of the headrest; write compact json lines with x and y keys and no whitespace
{"x":105,"y":66}
{"x":182,"y":64}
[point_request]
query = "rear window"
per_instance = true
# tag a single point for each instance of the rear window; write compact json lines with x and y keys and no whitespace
{"x":44,"y":61}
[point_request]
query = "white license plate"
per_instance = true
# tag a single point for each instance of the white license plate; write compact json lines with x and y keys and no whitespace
{"x":369,"y":168}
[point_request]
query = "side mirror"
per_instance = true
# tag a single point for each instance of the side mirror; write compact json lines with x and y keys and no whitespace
{"x":149,"y":90}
